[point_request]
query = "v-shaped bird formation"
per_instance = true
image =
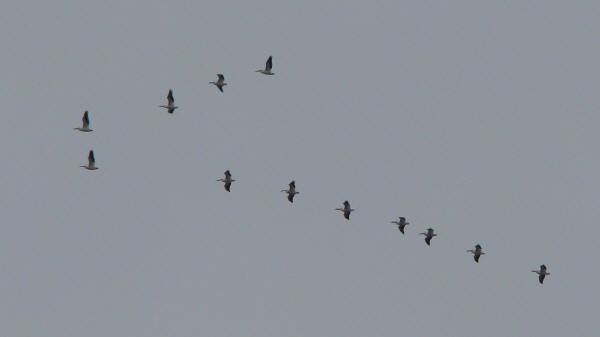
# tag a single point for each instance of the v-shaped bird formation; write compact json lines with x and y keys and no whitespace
{"x":291,"y":192}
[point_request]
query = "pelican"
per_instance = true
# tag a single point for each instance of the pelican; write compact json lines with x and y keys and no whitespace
{"x":220,"y":83}
{"x":401,"y":223}
{"x":291,"y":191}
{"x":170,"y":102}
{"x":428,"y":235}
{"x":91,"y":162}
{"x":86,"y":123}
{"x":542,"y":273}
{"x":227,"y":180}
{"x":476,"y":252}
{"x":268,"y":66}
{"x":347,"y":210}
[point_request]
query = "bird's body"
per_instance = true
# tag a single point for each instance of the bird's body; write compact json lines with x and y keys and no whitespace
{"x":428,"y":236}
{"x":401,"y":222}
{"x":227,"y":180}
{"x":220,"y":83}
{"x":91,"y":162}
{"x":291,"y":191}
{"x":170,"y":103}
{"x":477,"y":252}
{"x":268,"y":67}
{"x":85,"y":123}
{"x":346,"y":210}
{"x":542,"y":273}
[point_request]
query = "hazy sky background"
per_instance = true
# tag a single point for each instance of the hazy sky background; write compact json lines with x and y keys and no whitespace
{"x":480,"y":120}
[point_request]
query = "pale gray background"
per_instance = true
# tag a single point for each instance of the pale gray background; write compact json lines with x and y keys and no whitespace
{"x":478,"y":118}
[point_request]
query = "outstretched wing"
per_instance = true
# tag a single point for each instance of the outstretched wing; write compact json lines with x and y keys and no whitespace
{"x":86,"y":120}
{"x":170,"y":98}
{"x":91,"y":159}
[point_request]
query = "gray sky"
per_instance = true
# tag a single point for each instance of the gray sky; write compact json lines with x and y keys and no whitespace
{"x":480,"y":120}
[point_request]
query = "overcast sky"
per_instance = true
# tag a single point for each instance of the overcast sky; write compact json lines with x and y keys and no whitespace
{"x":479,"y":120}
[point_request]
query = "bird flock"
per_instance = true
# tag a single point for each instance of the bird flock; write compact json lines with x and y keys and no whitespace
{"x":291,"y":191}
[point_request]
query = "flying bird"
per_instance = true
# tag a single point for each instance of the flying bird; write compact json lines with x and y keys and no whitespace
{"x":220,"y":83}
{"x":477,"y":252}
{"x":428,"y":235}
{"x":347,"y":210}
{"x":291,"y":191}
{"x":401,"y":223}
{"x":86,"y":123}
{"x":268,"y":67}
{"x":227,"y":180}
{"x":170,"y":103}
{"x":91,"y":162}
{"x":542,"y":273}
